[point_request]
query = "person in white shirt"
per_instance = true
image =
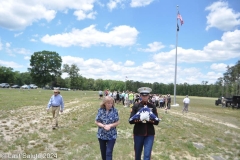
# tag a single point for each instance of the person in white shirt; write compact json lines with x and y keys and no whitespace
{"x":126,"y":101}
{"x":100,"y":93}
{"x":157,"y":100}
{"x":186,"y":102}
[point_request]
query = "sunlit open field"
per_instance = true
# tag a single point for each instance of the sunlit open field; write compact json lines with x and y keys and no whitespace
{"x":206,"y":132}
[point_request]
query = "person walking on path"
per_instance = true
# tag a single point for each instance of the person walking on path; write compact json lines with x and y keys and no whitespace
{"x":57,"y":104}
{"x":107,"y":120}
{"x":143,"y":115}
{"x":186,"y":102}
{"x":168,"y":101}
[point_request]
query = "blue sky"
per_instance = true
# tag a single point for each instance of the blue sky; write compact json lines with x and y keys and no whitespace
{"x":112,"y":39}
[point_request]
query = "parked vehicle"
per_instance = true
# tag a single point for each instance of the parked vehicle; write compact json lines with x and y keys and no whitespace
{"x":47,"y":87}
{"x":233,"y":102}
{"x":236,"y":102}
{"x":65,"y":89}
{"x":15,"y":86}
{"x":25,"y":87}
{"x":4,"y":85}
{"x":33,"y":86}
{"x":227,"y":101}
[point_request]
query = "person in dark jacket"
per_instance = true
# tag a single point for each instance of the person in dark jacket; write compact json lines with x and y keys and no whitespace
{"x":143,"y":115}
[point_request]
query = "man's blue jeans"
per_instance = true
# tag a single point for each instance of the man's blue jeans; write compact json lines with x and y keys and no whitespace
{"x":139,"y":143}
{"x":106,"y":147}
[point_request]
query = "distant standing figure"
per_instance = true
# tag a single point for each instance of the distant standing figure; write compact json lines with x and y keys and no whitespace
{"x":106,"y":92}
{"x":223,"y":102}
{"x":107,"y":120}
{"x":165,"y":102}
{"x":57,"y":104}
{"x":161,"y":101}
{"x":117,"y":97}
{"x":123,"y":98}
{"x":186,"y":102}
{"x":168,"y":101}
{"x":100,"y":93}
{"x":126,"y":100}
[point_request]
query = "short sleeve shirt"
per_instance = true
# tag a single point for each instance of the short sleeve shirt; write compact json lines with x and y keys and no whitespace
{"x":105,"y":118}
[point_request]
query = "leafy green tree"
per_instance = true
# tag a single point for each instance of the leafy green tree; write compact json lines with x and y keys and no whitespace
{"x":73,"y":72}
{"x":6,"y":75}
{"x":98,"y":84}
{"x":22,"y":78}
{"x":45,"y":67}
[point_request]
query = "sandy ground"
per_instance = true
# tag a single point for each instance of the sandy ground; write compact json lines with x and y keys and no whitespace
{"x":34,"y":119}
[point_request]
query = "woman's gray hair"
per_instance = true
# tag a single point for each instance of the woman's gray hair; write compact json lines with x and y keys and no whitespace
{"x":106,"y":99}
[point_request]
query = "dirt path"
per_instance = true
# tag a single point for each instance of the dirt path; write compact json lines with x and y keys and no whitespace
{"x":34,"y":121}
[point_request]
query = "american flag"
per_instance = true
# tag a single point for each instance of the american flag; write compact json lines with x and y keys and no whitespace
{"x":180,"y":17}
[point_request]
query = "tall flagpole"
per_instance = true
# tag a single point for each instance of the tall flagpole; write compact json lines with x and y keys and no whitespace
{"x":126,"y":84}
{"x":176,"y":61}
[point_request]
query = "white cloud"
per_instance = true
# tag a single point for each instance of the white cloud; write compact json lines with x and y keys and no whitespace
{"x":8,"y":45}
{"x":145,"y":72}
{"x":24,"y":13}
{"x":226,"y":48}
{"x":93,"y":68}
{"x":18,"y":34}
{"x":8,"y":49}
{"x":149,"y":65}
{"x":140,"y":3}
{"x":119,"y":36}
{"x":81,"y":15}
{"x":10,"y":64}
{"x":27,"y":57}
{"x":218,"y":67}
{"x":11,"y":50}
{"x":22,"y":51}
{"x":153,"y":47}
{"x":129,"y":63}
{"x":106,"y":27}
{"x":222,"y":17}
{"x":33,"y":40}
{"x":112,"y":4}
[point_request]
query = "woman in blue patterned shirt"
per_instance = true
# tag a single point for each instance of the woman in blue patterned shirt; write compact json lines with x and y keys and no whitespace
{"x":107,"y":119}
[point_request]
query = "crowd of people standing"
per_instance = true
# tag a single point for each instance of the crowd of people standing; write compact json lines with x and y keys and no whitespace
{"x":128,"y":98}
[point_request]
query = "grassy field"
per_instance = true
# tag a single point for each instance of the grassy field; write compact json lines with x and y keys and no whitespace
{"x":206,"y":132}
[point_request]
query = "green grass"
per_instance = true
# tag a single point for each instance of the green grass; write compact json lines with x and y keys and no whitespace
{"x":215,"y":127}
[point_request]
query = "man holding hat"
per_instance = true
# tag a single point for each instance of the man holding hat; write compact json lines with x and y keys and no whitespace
{"x":143,"y":115}
{"x":57,"y":104}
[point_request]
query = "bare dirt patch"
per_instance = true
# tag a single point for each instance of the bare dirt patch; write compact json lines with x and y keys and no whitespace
{"x":34,"y":123}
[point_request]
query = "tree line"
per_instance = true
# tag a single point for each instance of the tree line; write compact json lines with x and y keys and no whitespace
{"x":46,"y":69}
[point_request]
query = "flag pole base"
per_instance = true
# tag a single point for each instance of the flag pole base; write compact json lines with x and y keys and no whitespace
{"x":175,"y":105}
